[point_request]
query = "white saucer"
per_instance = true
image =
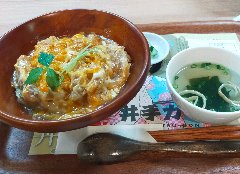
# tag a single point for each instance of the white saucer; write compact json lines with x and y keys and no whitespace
{"x":160,"y":44}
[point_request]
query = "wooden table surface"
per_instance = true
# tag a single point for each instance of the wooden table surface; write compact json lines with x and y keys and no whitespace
{"x":15,"y":12}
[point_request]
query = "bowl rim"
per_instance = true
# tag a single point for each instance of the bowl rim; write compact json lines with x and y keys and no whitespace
{"x":90,"y":118}
{"x":184,"y":100}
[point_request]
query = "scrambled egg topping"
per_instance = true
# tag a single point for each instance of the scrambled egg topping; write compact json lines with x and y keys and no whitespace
{"x":96,"y":79}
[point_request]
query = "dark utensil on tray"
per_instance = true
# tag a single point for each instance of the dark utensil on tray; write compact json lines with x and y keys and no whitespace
{"x":107,"y":148}
{"x":155,"y":67}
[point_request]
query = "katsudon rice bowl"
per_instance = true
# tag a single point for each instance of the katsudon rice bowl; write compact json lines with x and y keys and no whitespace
{"x":69,"y":69}
{"x":70,"y":76}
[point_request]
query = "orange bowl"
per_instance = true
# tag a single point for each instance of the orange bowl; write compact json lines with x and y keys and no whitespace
{"x":21,"y":40}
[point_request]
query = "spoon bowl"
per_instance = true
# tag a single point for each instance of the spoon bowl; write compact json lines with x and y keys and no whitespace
{"x":104,"y":147}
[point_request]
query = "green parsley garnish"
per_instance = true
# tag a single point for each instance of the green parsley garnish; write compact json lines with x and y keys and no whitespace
{"x":153,"y":52}
{"x":45,"y":59}
{"x":52,"y":77}
{"x":33,"y":75}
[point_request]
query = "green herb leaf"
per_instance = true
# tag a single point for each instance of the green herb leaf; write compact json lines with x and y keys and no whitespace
{"x":45,"y":59}
{"x":33,"y":76}
{"x":52,"y":79}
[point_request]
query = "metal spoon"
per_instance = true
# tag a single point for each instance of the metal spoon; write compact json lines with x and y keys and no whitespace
{"x":105,"y":147}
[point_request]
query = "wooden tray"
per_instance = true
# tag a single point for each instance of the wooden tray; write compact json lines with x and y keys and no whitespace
{"x":15,"y":143}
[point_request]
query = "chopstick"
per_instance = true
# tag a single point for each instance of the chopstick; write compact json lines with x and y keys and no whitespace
{"x":193,"y":134}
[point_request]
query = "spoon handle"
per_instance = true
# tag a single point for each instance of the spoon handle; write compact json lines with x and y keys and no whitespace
{"x":202,"y":147}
